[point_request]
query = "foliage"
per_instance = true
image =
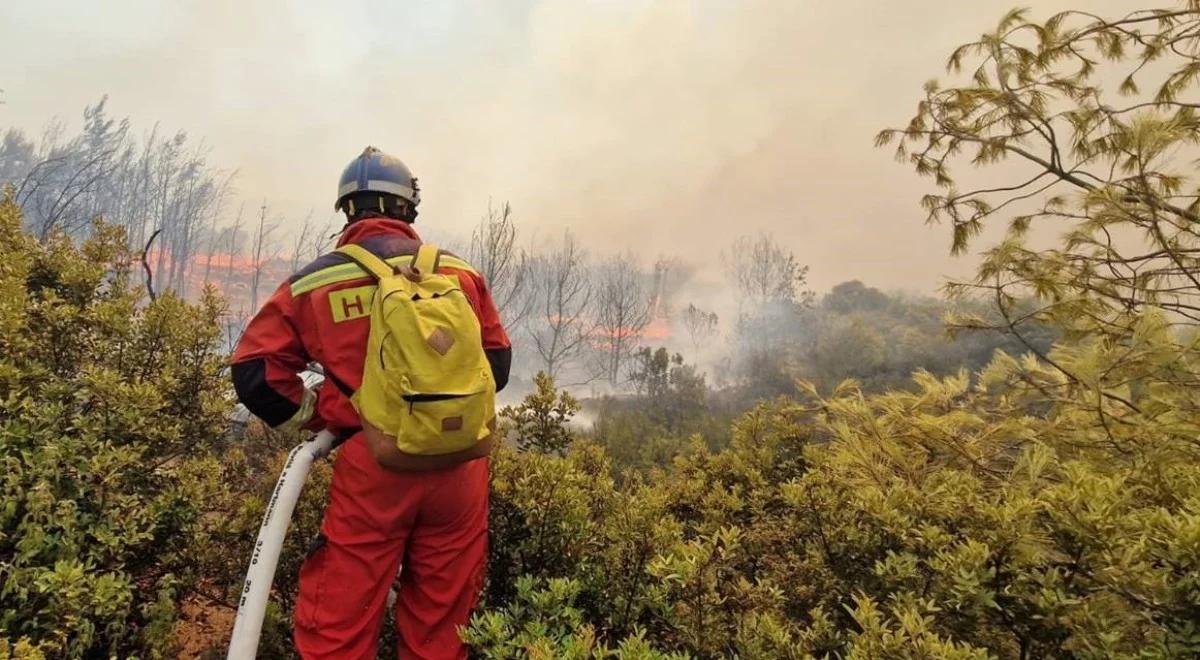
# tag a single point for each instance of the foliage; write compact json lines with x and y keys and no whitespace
{"x":877,"y":338}
{"x":670,"y":404}
{"x":545,"y":624}
{"x":108,"y":408}
{"x":953,"y":520}
{"x":1045,"y":503}
{"x":677,"y":391}
{"x":1111,"y":168}
{"x":880,"y":340}
{"x":540,"y":422}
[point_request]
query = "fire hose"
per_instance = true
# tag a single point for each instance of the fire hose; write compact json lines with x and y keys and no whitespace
{"x":256,"y":590}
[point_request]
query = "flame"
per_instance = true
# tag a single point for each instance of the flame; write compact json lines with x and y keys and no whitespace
{"x":231,"y":274}
{"x":659,"y":329}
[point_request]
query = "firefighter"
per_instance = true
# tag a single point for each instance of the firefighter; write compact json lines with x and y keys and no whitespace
{"x":386,"y":509}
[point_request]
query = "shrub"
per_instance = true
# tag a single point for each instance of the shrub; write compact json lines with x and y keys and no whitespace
{"x":108,"y":408}
{"x":950,"y":519}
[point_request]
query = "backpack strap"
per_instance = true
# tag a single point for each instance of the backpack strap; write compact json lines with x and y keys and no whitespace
{"x":378,"y":268}
{"x":427,"y":259}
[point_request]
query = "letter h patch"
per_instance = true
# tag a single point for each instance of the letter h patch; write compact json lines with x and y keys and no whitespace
{"x":350,"y":304}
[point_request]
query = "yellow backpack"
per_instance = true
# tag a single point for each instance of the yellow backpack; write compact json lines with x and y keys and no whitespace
{"x":427,"y":384}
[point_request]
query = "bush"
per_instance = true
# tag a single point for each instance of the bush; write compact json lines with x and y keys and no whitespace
{"x":108,"y":409}
{"x":947,"y":520}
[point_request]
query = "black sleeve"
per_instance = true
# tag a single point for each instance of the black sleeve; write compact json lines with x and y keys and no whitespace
{"x":501,"y":361}
{"x":250,"y":383}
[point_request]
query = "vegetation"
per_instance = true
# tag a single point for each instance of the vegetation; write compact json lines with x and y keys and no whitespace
{"x":856,"y":331}
{"x":1041,"y":502}
{"x":108,"y":411}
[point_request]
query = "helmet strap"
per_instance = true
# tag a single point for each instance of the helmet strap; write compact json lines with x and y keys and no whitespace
{"x":397,"y":208}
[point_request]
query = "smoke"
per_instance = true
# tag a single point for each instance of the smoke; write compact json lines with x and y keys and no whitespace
{"x":666,"y":127}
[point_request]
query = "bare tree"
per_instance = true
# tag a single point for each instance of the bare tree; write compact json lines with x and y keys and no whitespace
{"x":58,"y":191}
{"x":623,"y":309}
{"x":505,"y":267}
{"x":164,"y":185}
{"x":198,"y":203}
{"x":559,"y":326}
{"x":323,"y":237}
{"x":762,"y":271}
{"x":301,"y":244}
{"x":234,"y":247}
{"x":264,"y":251}
{"x":701,"y":325}
{"x":215,"y":238}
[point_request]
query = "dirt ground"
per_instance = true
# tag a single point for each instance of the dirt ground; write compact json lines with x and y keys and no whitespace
{"x":204,"y":629}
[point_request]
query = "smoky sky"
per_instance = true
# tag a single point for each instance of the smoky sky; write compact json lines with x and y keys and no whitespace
{"x":667,"y":128}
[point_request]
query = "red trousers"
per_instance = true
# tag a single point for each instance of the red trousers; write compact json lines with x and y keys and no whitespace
{"x":432,"y":523}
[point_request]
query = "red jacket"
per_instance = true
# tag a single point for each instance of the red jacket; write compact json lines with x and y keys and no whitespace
{"x":320,"y":315}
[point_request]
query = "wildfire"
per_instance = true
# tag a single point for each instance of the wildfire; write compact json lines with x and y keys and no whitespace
{"x":658,"y":329}
{"x":217,"y":261}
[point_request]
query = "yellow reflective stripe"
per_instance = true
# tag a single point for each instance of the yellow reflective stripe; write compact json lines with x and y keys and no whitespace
{"x":367,"y":259}
{"x":338,"y":273}
{"x":331,"y":275}
{"x":352,"y":271}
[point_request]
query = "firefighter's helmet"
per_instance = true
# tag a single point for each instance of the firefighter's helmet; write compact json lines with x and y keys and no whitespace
{"x":378,"y":175}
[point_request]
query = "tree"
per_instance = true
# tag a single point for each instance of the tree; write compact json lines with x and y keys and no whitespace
{"x":160,"y":185}
{"x":234,"y":245}
{"x":669,"y":274}
{"x":311,"y":242}
{"x":672,"y":391}
{"x":1104,"y":166}
{"x":623,"y":307}
{"x":563,"y":295}
{"x":58,"y":191}
{"x":1112,"y":172}
{"x":701,"y":326}
{"x":762,"y":272}
{"x":504,"y":266}
{"x":855,"y":296}
{"x":302,"y":243}
{"x":263,"y":252}
{"x":17,"y":157}
{"x":324,"y":238}
{"x":215,"y":238}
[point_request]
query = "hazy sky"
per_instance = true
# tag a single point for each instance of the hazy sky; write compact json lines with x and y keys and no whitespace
{"x":667,"y":127}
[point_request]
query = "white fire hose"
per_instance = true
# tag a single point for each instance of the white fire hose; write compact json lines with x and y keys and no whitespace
{"x":257,"y":589}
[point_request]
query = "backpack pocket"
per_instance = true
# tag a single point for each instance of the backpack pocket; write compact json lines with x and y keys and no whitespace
{"x":441,"y":422}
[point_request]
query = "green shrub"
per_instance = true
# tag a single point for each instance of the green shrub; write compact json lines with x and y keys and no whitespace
{"x":108,"y":407}
{"x":947,"y":520}
{"x":540,"y":423}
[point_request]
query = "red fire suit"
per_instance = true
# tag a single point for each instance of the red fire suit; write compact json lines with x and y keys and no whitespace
{"x":434,"y":523}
